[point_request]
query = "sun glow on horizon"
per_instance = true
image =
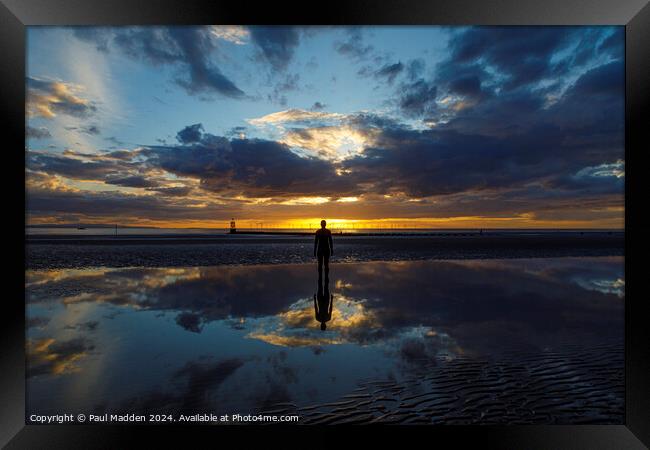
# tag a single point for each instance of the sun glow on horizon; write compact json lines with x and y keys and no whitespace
{"x":350,"y":224}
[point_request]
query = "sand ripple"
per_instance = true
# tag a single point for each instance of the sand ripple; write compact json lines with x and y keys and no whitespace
{"x":578,"y":385}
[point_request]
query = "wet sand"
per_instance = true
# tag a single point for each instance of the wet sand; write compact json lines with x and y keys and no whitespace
{"x":579,"y":385}
{"x":51,"y":252}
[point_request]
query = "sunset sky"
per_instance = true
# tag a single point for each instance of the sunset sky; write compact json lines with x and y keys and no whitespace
{"x":488,"y":127}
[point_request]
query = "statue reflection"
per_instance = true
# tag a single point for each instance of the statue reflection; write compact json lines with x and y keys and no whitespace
{"x":323,"y":303}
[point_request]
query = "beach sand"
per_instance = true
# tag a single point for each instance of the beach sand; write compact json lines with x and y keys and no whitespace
{"x":578,"y":385}
{"x":49,"y":252}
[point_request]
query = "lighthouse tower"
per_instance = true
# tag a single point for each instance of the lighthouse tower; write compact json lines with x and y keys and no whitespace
{"x":233,"y":228}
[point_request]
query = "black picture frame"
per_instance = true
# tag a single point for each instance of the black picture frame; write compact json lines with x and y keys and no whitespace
{"x":15,"y":15}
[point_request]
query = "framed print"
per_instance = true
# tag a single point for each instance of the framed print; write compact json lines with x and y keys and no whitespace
{"x":411,"y":216}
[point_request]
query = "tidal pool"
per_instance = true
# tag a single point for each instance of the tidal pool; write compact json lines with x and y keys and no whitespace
{"x":249,"y":339}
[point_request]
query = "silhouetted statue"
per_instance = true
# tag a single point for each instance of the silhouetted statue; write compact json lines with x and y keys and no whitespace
{"x":323,"y":249}
{"x":323,"y":303}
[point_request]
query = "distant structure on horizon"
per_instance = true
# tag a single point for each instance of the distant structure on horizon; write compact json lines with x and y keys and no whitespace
{"x":233,"y":228}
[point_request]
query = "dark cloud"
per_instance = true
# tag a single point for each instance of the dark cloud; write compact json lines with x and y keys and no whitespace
{"x":389,"y":71}
{"x":37,"y":133}
{"x":107,"y":205}
{"x":426,"y":163}
{"x":353,"y":46}
{"x":190,"y":134}
{"x":121,"y":155}
{"x":418,"y":98}
{"x":492,"y":81}
{"x":187,"y":47}
{"x":287,"y":84}
{"x":505,"y":141}
{"x":415,"y":68}
{"x":203,"y":77}
{"x":276,"y":44}
{"x":318,"y":106}
{"x":367,"y":121}
{"x":523,"y":56}
{"x":190,"y":322}
{"x":72,"y":167}
{"x":251,"y":167}
{"x":90,"y":325}
{"x":92,"y":130}
{"x":115,"y":141}
{"x":136,"y":181}
{"x":176,"y":191}
{"x":116,"y":168}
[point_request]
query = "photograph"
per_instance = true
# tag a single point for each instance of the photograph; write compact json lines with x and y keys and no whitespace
{"x":322,"y":225}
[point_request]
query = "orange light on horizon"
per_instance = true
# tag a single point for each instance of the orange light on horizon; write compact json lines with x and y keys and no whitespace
{"x":469,"y":222}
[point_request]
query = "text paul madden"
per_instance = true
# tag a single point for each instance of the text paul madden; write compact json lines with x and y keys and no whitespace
{"x":134,"y":418}
{"x":201,"y":418}
{"x":118,"y":418}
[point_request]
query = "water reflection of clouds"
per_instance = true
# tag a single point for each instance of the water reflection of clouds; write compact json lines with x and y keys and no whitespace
{"x":37,"y":322}
{"x":247,"y":338}
{"x":49,"y":356}
{"x":478,"y":306}
{"x":606,"y":286}
{"x":296,"y":327}
{"x":605,"y":274}
{"x":194,"y":385}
